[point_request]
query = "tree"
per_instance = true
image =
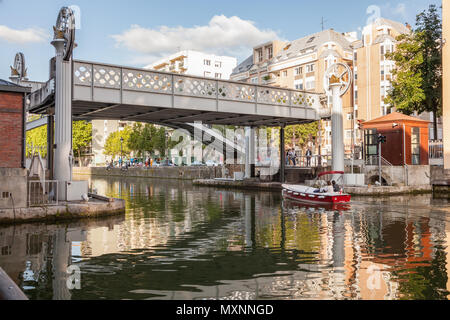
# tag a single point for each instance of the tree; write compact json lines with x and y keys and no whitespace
{"x":407,"y":94}
{"x":301,"y":134}
{"x":417,"y":84}
{"x":114,"y":147}
{"x":81,"y":137}
{"x":37,"y":139}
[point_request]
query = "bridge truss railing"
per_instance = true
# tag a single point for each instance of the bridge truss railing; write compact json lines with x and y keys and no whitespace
{"x":97,"y":75}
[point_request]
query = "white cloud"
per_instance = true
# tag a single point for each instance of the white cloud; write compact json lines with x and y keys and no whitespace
{"x":29,"y":35}
{"x":222,"y":35}
{"x":399,"y":11}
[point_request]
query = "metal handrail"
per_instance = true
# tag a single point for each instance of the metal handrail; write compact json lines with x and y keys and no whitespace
{"x":383,"y":160}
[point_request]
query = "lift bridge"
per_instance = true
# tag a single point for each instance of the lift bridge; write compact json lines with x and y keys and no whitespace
{"x":109,"y":92}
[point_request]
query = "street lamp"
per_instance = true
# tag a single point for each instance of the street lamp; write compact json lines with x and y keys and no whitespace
{"x":121,"y":151}
{"x":167,"y":146}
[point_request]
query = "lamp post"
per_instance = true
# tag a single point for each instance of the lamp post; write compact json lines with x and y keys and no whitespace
{"x":121,"y":151}
{"x":167,"y":146}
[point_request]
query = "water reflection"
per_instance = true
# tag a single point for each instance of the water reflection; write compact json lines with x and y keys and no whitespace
{"x":183,"y":242}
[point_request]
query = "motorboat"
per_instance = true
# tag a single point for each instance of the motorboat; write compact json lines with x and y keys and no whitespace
{"x":319,"y":192}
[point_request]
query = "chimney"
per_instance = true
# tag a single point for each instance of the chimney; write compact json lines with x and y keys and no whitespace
{"x":408,"y":26}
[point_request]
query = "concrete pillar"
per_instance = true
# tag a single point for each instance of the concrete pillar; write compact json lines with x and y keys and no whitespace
{"x":446,"y":80}
{"x":62,"y":168}
{"x":282,"y":155}
{"x":249,"y":152}
{"x":337,"y":129}
{"x":248,"y":220}
{"x":50,"y":143}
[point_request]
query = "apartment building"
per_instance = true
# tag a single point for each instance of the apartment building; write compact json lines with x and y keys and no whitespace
{"x":373,"y":71}
{"x":196,"y":63}
{"x":301,"y":64}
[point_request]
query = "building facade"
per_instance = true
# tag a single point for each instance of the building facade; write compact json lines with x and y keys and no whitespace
{"x":196,"y":63}
{"x":13,"y":174}
{"x":301,"y":64}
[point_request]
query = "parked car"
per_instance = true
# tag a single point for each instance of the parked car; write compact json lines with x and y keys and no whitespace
{"x":211,"y":163}
{"x":197,"y":164}
{"x":167,"y":163}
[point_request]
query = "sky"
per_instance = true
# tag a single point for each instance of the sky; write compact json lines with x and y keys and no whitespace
{"x":139,"y":32}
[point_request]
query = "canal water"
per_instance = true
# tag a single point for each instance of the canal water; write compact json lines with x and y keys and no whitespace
{"x":178,"y":241}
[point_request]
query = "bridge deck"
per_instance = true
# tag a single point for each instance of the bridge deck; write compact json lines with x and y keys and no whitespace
{"x":102,"y":91}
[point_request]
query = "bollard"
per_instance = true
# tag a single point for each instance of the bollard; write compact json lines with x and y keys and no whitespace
{"x":8,"y":289}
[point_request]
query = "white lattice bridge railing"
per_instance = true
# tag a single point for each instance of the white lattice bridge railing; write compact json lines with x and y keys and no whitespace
{"x":116,"y":84}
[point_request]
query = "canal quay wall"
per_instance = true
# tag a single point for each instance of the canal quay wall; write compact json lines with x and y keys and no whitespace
{"x":179,"y":173}
{"x":95,"y":208}
{"x":13,"y":187}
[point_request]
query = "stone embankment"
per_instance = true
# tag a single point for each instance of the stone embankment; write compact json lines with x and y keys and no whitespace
{"x":180,"y":173}
{"x":63,"y":211}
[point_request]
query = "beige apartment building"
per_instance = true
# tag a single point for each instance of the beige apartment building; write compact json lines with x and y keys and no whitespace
{"x":301,"y":64}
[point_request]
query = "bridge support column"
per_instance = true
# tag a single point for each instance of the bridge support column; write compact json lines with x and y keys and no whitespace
{"x":282,"y":155}
{"x":50,"y":144}
{"x":337,"y":129}
{"x":249,"y":152}
{"x":62,"y":167}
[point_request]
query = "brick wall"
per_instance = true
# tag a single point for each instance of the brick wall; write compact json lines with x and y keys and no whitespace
{"x":11,"y":129}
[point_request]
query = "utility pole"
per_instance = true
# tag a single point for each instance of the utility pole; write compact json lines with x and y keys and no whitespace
{"x":381,"y":140}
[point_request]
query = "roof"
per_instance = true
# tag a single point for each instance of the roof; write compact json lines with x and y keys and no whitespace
{"x":244,"y":66}
{"x":395,"y":117}
{"x":12,"y":87}
{"x":314,"y":42}
{"x":394,"y":24}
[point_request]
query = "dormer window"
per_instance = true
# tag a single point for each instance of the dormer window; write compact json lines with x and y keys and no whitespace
{"x":311,"y":40}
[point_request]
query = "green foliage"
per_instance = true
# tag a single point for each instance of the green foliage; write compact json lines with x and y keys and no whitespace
{"x":301,"y":134}
{"x":82,"y":137}
{"x":407,"y":94}
{"x":148,"y":138}
{"x":36,"y":138}
{"x":417,"y":84}
{"x":114,"y":147}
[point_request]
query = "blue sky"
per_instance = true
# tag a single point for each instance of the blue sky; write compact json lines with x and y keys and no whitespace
{"x":138,"y":32}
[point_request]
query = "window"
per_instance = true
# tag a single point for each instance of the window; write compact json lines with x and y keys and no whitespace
{"x":285,"y":73}
{"x":218,"y":64}
{"x":356,"y":96}
{"x":298,"y":84}
{"x":310,"y":83}
{"x":355,"y":56}
{"x":348,"y":134}
{"x":207,"y":74}
{"x":298,"y":71}
{"x":349,"y":116}
{"x":254,"y":80}
{"x":218,"y":76}
{"x":207,"y":62}
{"x":310,"y":68}
{"x":270,"y":52}
{"x":371,"y":146}
{"x":415,"y":146}
{"x":311,"y":40}
{"x":382,"y":75}
{"x":259,"y":55}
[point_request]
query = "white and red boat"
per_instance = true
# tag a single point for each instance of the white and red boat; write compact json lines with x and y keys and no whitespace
{"x":317,"y":195}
